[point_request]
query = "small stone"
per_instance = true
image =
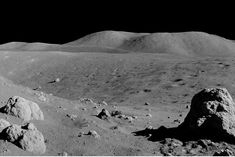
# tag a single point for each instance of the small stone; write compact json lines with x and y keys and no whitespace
{"x":148,"y":115}
{"x":80,"y":134}
{"x":84,"y":109}
{"x":149,"y":127}
{"x":72,"y":116}
{"x":134,"y":117}
{"x":64,"y":154}
{"x":104,"y":103}
{"x":146,"y":103}
{"x":86,"y":101}
{"x":129,"y":118}
{"x":57,"y":80}
{"x":116,"y":113}
{"x":176,"y":121}
{"x":93,"y":133}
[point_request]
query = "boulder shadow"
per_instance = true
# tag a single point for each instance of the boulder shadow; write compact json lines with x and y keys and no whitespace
{"x":182,"y":134}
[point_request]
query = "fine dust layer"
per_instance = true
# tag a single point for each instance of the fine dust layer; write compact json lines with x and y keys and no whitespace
{"x":115,"y":102}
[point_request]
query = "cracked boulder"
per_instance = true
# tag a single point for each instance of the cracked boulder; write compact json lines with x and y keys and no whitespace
{"x":212,"y":113}
{"x":27,"y":137}
{"x":23,"y":109}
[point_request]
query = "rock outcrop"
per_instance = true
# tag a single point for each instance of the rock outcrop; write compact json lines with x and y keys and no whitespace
{"x":22,"y":108}
{"x":212,"y":113}
{"x":26,"y":137}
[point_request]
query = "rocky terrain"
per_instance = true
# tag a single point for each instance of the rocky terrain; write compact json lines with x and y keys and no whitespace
{"x":119,"y":93}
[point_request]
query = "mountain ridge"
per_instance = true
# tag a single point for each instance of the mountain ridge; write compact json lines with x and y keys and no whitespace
{"x":191,"y":43}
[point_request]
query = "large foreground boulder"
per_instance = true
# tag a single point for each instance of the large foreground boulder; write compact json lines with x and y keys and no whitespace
{"x":3,"y":124}
{"x":212,"y":114}
{"x":26,"y":137}
{"x":22,"y":108}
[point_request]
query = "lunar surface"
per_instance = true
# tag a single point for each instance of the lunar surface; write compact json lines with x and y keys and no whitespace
{"x":119,"y":93}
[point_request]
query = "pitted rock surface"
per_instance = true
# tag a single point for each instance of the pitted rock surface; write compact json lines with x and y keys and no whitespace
{"x":22,"y":108}
{"x":26,"y":137}
{"x":212,"y":113}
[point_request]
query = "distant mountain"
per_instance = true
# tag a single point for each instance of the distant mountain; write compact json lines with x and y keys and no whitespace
{"x":185,"y":43}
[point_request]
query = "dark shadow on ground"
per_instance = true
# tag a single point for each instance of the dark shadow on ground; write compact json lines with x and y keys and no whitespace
{"x":181,"y":134}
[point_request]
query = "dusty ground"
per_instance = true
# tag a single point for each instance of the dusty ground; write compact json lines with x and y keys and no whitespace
{"x":155,"y":89}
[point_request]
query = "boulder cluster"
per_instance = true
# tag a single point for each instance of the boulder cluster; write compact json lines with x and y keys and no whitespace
{"x":25,"y":136}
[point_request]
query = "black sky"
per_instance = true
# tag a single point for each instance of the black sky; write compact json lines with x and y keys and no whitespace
{"x":64,"y":22}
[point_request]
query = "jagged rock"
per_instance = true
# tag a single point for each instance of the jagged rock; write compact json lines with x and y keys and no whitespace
{"x":22,"y":108}
{"x":3,"y":124}
{"x":104,"y":114}
{"x":26,"y":137}
{"x":212,"y":113}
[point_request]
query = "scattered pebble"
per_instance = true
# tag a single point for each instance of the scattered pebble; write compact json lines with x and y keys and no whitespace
{"x":146,"y":103}
{"x":134,"y":117}
{"x":83,"y":109}
{"x":148,"y":115}
{"x":149,"y":127}
{"x":93,"y":133}
{"x":72,"y":116}
{"x":176,"y":121}
{"x":116,"y":113}
{"x":104,"y":103}
{"x":64,"y":154}
{"x":80,"y":134}
{"x":57,"y":80}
